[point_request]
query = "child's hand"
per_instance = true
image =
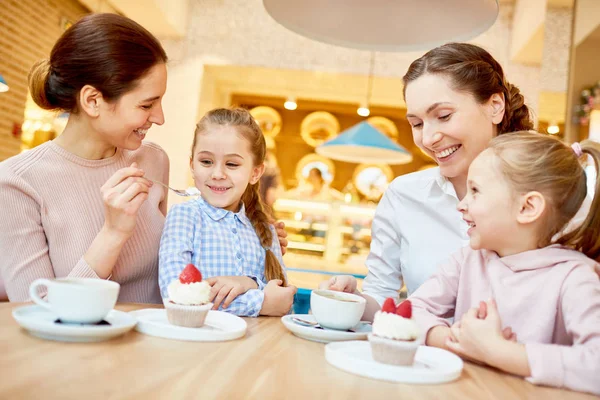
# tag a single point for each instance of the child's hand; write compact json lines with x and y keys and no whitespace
{"x":281,"y":235}
{"x":476,"y":338}
{"x":340,"y":283}
{"x":227,"y":288}
{"x":278,"y":299}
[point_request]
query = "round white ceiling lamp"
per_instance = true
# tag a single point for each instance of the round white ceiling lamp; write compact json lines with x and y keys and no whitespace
{"x":385,"y":25}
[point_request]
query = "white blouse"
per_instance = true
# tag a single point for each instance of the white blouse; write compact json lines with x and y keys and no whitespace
{"x":415,"y":228}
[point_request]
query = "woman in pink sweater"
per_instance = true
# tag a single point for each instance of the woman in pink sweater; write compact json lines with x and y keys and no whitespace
{"x":83,"y":205}
{"x":514,"y":278}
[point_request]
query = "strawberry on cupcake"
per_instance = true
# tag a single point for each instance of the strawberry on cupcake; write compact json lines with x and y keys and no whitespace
{"x":187,"y":304}
{"x":395,"y":336}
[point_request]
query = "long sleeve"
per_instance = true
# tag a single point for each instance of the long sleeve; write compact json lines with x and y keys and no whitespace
{"x":23,"y":241}
{"x":384,"y":277}
{"x":176,"y":244}
{"x":250,"y":303}
{"x":577,"y":366}
{"x":435,"y":300}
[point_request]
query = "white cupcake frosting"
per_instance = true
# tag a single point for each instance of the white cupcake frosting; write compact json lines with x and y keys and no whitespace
{"x":395,"y":327}
{"x":188,"y":293}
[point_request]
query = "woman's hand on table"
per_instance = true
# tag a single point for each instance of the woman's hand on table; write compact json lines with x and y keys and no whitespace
{"x":224,"y":289}
{"x":123,"y":194}
{"x":282,"y":236}
{"x":278,"y":299}
{"x":340,"y":283}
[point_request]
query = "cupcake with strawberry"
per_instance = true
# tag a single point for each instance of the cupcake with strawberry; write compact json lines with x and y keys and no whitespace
{"x":187,"y":304}
{"x":395,"y":337}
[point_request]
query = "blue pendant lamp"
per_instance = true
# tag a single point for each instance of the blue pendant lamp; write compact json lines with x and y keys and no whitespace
{"x":3,"y":84}
{"x":362,"y":143}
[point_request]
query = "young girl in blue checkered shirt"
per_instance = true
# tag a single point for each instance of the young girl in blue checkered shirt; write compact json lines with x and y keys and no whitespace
{"x":226,"y":233}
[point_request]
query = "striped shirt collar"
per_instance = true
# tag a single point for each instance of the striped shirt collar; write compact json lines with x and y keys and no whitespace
{"x":216,"y":213}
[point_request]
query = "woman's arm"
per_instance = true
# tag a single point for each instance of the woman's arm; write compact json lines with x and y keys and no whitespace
{"x":435,"y":301}
{"x":384,"y":278}
{"x":24,"y":245}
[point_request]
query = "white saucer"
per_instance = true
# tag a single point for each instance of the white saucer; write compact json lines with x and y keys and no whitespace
{"x":218,"y":327}
{"x":40,"y":322}
{"x":432,"y":365}
{"x":323,"y":335}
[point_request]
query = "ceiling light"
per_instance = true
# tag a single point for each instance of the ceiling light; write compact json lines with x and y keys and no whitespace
{"x":363,"y":111}
{"x":553,"y":129}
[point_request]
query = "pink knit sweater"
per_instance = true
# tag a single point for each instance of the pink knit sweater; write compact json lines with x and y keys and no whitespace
{"x":52,"y":210}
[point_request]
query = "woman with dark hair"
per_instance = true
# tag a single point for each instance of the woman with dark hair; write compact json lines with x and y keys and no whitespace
{"x":84,"y":204}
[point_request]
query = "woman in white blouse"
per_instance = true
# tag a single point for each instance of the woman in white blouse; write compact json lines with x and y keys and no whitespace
{"x":457,"y":100}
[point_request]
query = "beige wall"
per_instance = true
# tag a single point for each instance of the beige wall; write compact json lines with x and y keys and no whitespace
{"x":242,"y":34}
{"x":585,"y":72}
{"x":28,"y":31}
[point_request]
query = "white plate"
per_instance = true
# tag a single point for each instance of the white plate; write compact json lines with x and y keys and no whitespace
{"x":218,"y":327}
{"x":40,"y":322}
{"x":323,"y":335}
{"x":432,"y":365}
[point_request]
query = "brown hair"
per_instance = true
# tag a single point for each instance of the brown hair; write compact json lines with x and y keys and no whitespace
{"x":532,"y":161}
{"x":256,"y":210}
{"x":107,"y":51}
{"x":473,"y":70}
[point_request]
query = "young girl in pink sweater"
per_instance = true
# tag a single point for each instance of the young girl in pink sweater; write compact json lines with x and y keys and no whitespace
{"x":522,"y":301}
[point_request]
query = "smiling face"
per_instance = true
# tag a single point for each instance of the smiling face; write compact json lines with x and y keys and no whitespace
{"x":125,"y":122}
{"x":223,"y":166}
{"x":490,"y":207}
{"x":450,"y":126}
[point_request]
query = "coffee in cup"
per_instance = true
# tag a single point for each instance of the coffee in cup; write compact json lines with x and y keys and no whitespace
{"x":77,"y":300}
{"x":337,"y":310}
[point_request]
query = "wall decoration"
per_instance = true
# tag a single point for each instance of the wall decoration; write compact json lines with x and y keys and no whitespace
{"x":371,"y":180}
{"x":310,"y":161}
{"x":318,"y":127}
{"x":269,"y":121}
{"x":589,"y":100}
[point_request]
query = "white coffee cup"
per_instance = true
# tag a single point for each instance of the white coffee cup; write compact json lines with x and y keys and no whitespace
{"x":77,"y":300}
{"x":337,"y":310}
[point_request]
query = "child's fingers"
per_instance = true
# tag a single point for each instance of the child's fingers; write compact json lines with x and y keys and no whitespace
{"x":482,"y":312}
{"x":221,"y":296}
{"x":212,"y":280}
{"x":214,"y":290}
{"x":293,"y":289}
{"x":455,"y":330}
{"x":235,"y":292}
{"x":455,"y":347}
{"x":507,"y":333}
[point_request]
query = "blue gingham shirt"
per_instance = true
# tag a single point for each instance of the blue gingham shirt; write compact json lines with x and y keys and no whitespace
{"x":219,"y":243}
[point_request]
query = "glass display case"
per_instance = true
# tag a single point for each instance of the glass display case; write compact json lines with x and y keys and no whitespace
{"x":325,"y":239}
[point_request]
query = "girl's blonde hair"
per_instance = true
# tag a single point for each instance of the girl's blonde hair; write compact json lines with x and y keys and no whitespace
{"x":256,"y":210}
{"x":535,"y":162}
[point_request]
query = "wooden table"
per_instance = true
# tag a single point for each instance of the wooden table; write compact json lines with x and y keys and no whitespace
{"x":269,"y":363}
